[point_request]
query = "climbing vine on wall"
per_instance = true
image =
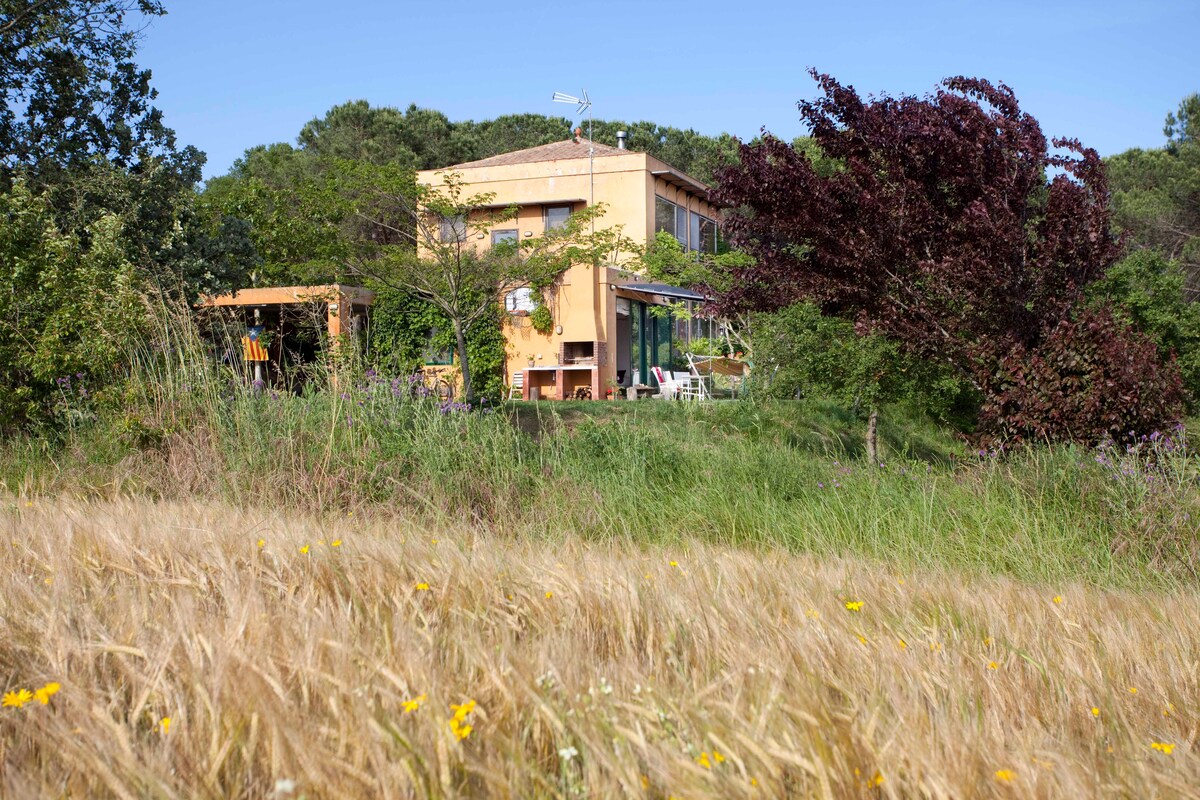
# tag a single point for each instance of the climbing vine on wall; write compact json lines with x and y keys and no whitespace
{"x":405,"y":329}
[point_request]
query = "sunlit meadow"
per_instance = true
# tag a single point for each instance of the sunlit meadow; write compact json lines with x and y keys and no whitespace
{"x":200,"y":651}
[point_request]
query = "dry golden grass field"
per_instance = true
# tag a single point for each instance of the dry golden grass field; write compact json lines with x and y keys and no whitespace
{"x":204,"y":651}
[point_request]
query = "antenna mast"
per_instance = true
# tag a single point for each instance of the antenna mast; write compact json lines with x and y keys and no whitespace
{"x":584,"y":103}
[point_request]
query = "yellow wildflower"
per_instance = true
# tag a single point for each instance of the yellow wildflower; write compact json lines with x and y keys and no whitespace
{"x":262,"y":543}
{"x":987,"y":642}
{"x":1167,"y":711}
{"x":304,"y":550}
{"x":48,"y":581}
{"x":549,"y":595}
{"x":414,"y":704}
{"x":703,"y":761}
{"x":422,"y":587}
{"x":717,"y":757}
{"x":1163,"y":747}
{"x":17,"y":699}
{"x":1005,"y":775}
{"x":993,"y":665}
{"x":854,"y":605}
{"x":754,"y":781}
{"x":876,"y":780}
{"x":645,"y":782}
{"x":1095,"y":711}
{"x":336,"y":543}
{"x":862,"y":638}
{"x":674,"y":563}
{"x":903,"y":644}
{"x":1058,"y":598}
{"x":165,"y":724}
{"x":461,"y":711}
{"x":44,"y":694}
{"x":1133,"y":690}
{"x":460,"y":731}
{"x":812,"y":612}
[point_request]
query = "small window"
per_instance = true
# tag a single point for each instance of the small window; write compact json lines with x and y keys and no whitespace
{"x":435,"y":355}
{"x":454,"y":229}
{"x":556,"y":216}
{"x":681,"y":226}
{"x":519,"y":300}
{"x":504,"y":237}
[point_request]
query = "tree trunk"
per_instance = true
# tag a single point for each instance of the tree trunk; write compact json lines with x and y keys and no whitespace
{"x":873,"y":437}
{"x":461,"y":340}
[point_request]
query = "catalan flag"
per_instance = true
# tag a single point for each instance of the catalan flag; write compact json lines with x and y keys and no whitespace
{"x":251,"y":349}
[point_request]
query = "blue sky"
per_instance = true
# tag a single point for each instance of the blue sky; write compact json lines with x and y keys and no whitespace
{"x":235,"y":74}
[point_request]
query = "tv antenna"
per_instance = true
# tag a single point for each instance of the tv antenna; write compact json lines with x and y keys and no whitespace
{"x":584,"y":103}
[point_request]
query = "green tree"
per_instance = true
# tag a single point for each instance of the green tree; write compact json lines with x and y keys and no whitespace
{"x":1156,"y":198}
{"x":1183,"y":126}
{"x":72,"y":92}
{"x":65,"y":308}
{"x":1156,"y":193}
{"x":803,"y":353}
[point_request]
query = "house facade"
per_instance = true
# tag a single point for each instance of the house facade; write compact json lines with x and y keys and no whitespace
{"x":606,"y":332}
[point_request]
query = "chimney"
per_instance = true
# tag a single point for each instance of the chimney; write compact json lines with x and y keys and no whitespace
{"x":621,"y":140}
{"x":578,"y":135}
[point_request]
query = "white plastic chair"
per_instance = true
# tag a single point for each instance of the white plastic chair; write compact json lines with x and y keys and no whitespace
{"x":518,"y":384}
{"x":689,"y":386}
{"x":666,"y":385}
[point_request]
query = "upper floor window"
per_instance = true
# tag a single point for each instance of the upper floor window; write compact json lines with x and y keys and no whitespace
{"x":454,"y":229}
{"x":556,"y":216}
{"x":694,"y":232}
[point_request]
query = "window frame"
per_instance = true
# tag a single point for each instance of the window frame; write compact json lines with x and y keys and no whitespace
{"x":448,"y":226}
{"x":548,"y":207}
{"x":513,"y":232}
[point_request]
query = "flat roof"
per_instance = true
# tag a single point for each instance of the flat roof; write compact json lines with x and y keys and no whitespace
{"x":287,"y":295}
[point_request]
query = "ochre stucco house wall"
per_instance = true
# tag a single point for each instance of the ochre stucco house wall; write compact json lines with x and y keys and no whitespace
{"x":598,"y":312}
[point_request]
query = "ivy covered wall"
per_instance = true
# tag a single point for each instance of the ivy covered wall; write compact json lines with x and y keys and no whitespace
{"x":408,"y":332}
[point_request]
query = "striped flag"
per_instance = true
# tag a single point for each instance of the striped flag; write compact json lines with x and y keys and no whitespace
{"x":251,"y":349}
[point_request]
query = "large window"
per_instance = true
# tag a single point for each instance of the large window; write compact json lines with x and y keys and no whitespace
{"x":694,"y":232}
{"x":556,"y":216}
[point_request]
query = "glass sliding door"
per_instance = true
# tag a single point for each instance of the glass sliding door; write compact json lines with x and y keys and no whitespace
{"x":637,"y":343}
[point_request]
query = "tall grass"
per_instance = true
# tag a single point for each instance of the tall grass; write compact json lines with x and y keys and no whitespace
{"x":207,"y":651}
{"x":731,"y":474}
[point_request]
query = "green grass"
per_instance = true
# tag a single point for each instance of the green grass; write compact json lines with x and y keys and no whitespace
{"x":775,"y":475}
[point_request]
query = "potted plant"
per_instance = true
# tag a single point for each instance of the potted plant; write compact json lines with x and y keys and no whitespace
{"x":611,"y":392}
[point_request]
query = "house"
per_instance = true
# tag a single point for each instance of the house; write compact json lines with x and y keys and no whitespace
{"x":605,"y":333}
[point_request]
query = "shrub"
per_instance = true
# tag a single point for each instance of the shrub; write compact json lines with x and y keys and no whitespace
{"x":1091,"y":378}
